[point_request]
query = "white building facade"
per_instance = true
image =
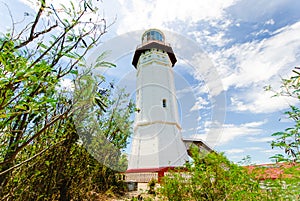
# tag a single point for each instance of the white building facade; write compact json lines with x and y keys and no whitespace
{"x":157,"y":141}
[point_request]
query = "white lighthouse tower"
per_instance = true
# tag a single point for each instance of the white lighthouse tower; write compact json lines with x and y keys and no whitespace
{"x":157,"y":141}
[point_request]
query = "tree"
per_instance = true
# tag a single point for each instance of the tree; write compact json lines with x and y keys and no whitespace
{"x":289,"y":140}
{"x":37,"y":117}
{"x":67,"y":170}
{"x":212,"y":177}
{"x":104,"y":124}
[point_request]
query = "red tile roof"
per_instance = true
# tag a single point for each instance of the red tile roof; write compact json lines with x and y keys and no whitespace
{"x":272,"y":171}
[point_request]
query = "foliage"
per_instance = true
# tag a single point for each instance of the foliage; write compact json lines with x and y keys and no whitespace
{"x":103,"y":124}
{"x":33,"y":62}
{"x":41,"y":155}
{"x":212,"y":177}
{"x":64,"y":171}
{"x":282,"y":179}
{"x":245,"y":161}
{"x":289,"y":140}
{"x":151,"y":186}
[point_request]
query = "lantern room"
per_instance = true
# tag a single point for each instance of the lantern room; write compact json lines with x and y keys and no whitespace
{"x":153,"y":34}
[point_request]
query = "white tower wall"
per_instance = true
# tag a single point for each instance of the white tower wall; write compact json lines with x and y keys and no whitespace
{"x":155,"y":83}
{"x":157,"y":139}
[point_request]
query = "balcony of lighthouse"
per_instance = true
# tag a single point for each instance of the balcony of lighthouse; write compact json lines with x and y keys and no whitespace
{"x":154,"y":55}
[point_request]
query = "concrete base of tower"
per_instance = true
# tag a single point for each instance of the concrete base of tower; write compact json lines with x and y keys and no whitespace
{"x":147,"y":174}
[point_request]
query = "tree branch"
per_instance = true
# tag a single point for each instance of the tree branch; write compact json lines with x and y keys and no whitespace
{"x":36,"y":35}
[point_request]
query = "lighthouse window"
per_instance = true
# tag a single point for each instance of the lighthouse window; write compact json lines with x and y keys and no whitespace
{"x":164,"y":103}
{"x":152,"y":35}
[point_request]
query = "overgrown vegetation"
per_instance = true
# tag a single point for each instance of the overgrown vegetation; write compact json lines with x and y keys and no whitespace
{"x":45,"y":153}
{"x":212,"y":177}
{"x":289,"y":140}
{"x":151,"y":187}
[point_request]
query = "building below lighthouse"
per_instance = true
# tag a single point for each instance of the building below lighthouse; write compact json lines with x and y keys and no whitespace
{"x":157,"y":144}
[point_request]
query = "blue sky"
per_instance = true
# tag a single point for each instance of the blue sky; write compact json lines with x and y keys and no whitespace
{"x":250,"y":44}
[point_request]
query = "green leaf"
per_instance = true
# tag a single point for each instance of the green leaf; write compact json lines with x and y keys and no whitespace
{"x":2,"y":116}
{"x":42,"y":45}
{"x":37,"y":172}
{"x":278,"y":134}
{"x":4,"y":80}
{"x":75,"y":72}
{"x":21,"y":107}
{"x":104,"y":64}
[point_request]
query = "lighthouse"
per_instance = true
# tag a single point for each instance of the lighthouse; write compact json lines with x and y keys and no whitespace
{"x":157,"y":142}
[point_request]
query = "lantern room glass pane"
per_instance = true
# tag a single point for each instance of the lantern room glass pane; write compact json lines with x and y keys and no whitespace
{"x":152,"y":35}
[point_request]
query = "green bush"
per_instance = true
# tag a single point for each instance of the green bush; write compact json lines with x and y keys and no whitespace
{"x":212,"y":177}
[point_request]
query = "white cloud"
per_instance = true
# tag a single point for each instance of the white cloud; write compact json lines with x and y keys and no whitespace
{"x":256,"y":100}
{"x":229,"y":132}
{"x":182,"y":92}
{"x":254,"y":124}
{"x":270,"y":21}
{"x":143,"y":14}
{"x":207,"y":39}
{"x":263,"y":31}
{"x":200,"y":104}
{"x":234,"y":151}
{"x":263,"y":139}
{"x":244,"y":64}
{"x":254,"y":148}
{"x":250,"y":66}
{"x":272,"y":151}
{"x":66,"y":84}
{"x":218,"y":39}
